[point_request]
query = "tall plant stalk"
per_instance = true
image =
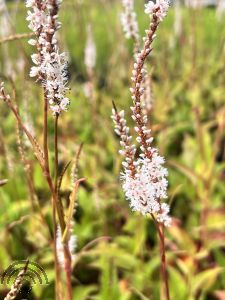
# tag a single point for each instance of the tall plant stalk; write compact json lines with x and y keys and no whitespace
{"x":144,"y":177}
{"x":163,"y":261}
{"x":67,"y":254}
{"x":57,"y":269}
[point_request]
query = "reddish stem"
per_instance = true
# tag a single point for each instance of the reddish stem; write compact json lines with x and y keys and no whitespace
{"x":160,"y":229}
{"x":68,"y":270}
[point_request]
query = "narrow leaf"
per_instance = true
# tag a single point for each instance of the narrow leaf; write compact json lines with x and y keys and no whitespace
{"x":69,"y":216}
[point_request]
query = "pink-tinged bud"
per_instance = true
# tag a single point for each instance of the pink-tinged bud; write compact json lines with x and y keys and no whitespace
{"x":125,"y":164}
{"x":121,"y":152}
{"x":136,"y":128}
{"x":138,"y":139}
{"x":150,"y":140}
{"x":32,"y":42}
{"x":121,"y":113}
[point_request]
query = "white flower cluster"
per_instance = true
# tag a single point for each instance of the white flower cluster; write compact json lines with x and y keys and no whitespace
{"x":144,"y":180}
{"x":51,"y":65}
{"x":72,"y":244}
{"x":129,"y":20}
{"x":148,"y":187}
{"x":159,"y":8}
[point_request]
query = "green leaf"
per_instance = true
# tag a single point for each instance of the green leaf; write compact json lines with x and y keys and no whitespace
{"x":178,"y":291}
{"x":204,"y":280}
{"x":82,"y":292}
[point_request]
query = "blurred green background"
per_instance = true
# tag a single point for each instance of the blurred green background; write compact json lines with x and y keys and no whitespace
{"x":117,"y":255}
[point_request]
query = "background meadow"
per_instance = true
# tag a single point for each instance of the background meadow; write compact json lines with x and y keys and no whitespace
{"x":117,"y":250}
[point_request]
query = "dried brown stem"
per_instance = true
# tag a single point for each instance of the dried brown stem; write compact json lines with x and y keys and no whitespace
{"x":15,"y":37}
{"x":37,"y":149}
{"x":26,"y":166}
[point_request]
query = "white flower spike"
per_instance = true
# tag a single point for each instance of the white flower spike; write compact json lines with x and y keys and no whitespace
{"x":51,"y":65}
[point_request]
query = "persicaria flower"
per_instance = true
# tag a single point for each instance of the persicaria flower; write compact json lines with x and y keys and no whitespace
{"x":160,"y":8}
{"x":149,"y":185}
{"x":50,"y":65}
{"x":30,"y":3}
{"x":144,"y":178}
{"x":36,"y":19}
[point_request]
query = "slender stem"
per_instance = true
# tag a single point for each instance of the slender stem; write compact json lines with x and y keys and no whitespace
{"x":26,"y":166}
{"x":46,"y":162}
{"x":67,"y":255}
{"x":45,"y":133}
{"x":14,"y":37}
{"x":57,"y":270}
{"x":56,"y":152}
{"x":68,"y":270}
{"x":160,"y":230}
{"x":164,"y":275}
{"x":41,"y":159}
{"x":37,"y":150}
{"x":56,"y":206}
{"x":47,"y":171}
